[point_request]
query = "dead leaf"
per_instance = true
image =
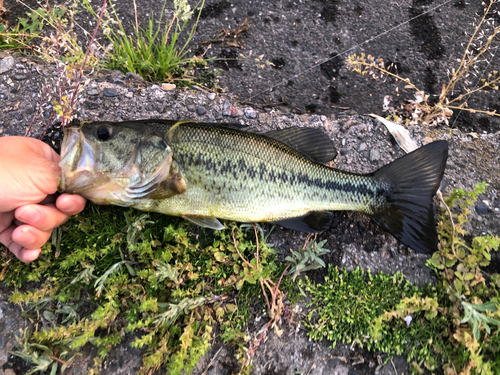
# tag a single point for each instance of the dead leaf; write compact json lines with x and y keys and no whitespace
{"x":400,"y":134}
{"x":12,"y":108}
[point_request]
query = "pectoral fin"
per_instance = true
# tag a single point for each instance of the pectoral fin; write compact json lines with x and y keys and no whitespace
{"x":205,"y":221}
{"x":168,"y":188}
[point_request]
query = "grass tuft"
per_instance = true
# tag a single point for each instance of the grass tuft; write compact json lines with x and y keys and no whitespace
{"x":154,"y":52}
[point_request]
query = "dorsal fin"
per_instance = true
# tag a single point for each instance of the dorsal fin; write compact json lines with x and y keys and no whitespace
{"x":311,"y":142}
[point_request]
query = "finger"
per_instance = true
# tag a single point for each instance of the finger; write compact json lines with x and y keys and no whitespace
{"x":30,"y":237}
{"x":21,"y":253}
{"x":28,"y":255}
{"x":70,"y":204}
{"x":44,"y":218}
{"x":49,"y":199}
{"x":44,"y":150}
{"x":6,"y":219}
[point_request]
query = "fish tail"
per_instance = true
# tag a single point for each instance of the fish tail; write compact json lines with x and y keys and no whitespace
{"x":406,"y":209}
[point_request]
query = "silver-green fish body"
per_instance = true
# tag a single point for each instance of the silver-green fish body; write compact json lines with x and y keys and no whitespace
{"x":206,"y":171}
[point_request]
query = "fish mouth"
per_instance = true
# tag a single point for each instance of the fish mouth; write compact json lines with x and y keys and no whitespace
{"x":77,"y":162}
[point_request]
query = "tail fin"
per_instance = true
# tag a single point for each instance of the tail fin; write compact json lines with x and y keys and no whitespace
{"x":408,"y":212}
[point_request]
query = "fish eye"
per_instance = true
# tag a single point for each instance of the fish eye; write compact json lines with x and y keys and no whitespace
{"x":162,"y":144}
{"x":103,"y":133}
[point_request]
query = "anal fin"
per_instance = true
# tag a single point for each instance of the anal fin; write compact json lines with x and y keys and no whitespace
{"x":315,"y":221}
{"x":205,"y":221}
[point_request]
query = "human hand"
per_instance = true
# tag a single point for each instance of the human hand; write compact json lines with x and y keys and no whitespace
{"x":29,"y":210}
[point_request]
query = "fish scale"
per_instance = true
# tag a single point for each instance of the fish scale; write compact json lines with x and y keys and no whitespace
{"x":262,"y":179}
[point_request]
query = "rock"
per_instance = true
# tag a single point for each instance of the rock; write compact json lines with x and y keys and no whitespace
{"x":91,"y":105}
{"x":200,"y":111}
{"x":335,"y":367}
{"x":118,"y":74}
{"x":211,"y":96}
{"x":362,"y":147}
{"x":345,"y":151}
{"x":19,"y":77}
{"x":110,"y":92}
{"x":168,"y":86}
{"x":6,"y":64}
{"x":323,"y":118}
{"x":482,"y":208}
{"x":250,"y":112}
{"x":374,"y":155}
{"x":118,"y":81}
{"x":191,"y":107}
{"x":92,"y":92}
{"x":134,"y":76}
{"x":343,"y":73}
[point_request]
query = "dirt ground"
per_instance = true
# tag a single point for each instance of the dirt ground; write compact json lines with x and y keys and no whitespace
{"x":307,"y":43}
{"x":294,"y":35}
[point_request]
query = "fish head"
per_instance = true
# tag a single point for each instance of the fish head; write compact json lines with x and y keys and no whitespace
{"x":113,"y":164}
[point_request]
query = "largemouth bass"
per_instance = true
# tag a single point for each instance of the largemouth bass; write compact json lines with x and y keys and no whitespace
{"x":206,"y":172}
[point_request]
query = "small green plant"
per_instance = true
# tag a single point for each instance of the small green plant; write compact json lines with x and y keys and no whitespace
{"x":307,"y":259}
{"x":347,"y":303}
{"x":474,"y":58}
{"x":46,"y":31}
{"x":27,"y":28}
{"x":154,"y":52}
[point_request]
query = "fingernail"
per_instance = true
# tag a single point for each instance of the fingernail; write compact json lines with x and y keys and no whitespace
{"x":29,"y":215}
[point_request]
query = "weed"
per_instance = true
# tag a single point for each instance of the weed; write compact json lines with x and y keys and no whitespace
{"x":307,"y":259}
{"x":474,"y":59}
{"x":19,"y":36}
{"x":155,"y":53}
{"x":47,"y":31}
{"x":122,"y":271}
{"x":454,"y":324}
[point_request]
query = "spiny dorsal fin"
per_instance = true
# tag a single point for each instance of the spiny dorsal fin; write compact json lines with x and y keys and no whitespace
{"x":311,"y":142}
{"x":315,"y":221}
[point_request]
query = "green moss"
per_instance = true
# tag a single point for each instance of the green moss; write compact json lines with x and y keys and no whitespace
{"x":125,"y":271}
{"x":454,"y":324}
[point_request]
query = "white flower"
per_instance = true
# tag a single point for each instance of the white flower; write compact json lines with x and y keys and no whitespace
{"x":408,"y":320}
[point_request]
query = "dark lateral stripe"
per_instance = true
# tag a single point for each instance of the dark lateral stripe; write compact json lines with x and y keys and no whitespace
{"x":240,"y":170}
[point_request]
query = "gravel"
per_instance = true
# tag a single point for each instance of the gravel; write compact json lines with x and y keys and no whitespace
{"x":353,"y":240}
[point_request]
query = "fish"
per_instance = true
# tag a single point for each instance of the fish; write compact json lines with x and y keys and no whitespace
{"x":204,"y":172}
